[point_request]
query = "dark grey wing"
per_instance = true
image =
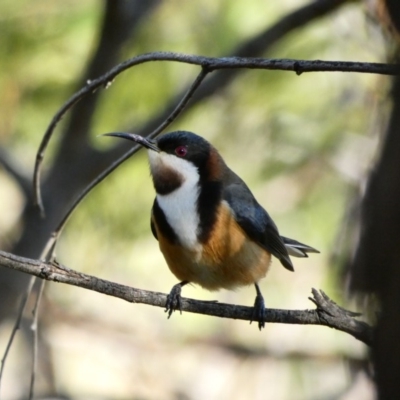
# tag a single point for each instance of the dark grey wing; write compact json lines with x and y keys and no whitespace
{"x":254,"y":220}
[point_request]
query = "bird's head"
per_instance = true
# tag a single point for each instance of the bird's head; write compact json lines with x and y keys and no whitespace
{"x":178,"y":157}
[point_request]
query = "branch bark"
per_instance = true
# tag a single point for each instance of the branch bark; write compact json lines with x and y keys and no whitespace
{"x":327,"y":313}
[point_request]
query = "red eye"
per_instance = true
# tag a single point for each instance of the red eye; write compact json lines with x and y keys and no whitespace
{"x":181,"y":151}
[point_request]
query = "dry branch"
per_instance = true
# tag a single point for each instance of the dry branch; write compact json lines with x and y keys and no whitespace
{"x":327,"y":313}
{"x":209,"y":64}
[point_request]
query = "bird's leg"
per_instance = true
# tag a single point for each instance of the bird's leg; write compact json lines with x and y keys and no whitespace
{"x":174,"y":299}
{"x":259,"y":309}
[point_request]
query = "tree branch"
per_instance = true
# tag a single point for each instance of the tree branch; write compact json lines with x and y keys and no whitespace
{"x":210,"y":64}
{"x":327,"y":313}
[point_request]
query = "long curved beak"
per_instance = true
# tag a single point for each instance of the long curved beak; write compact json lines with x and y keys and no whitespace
{"x":149,"y":144}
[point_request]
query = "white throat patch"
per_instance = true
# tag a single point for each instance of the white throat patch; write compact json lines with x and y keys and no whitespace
{"x":180,"y":206}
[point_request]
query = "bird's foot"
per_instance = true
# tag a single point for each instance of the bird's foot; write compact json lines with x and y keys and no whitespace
{"x":259,"y":313}
{"x":174,"y":300}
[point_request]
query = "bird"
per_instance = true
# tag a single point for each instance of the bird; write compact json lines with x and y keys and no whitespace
{"x":210,"y":228}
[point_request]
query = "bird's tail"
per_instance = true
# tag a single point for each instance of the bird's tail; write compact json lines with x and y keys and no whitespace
{"x":297,"y":249}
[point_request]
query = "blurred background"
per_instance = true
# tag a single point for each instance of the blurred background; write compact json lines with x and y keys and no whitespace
{"x":304,"y":144}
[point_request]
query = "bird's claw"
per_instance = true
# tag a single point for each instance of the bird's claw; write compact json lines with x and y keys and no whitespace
{"x":174,"y":300}
{"x":259,"y":313}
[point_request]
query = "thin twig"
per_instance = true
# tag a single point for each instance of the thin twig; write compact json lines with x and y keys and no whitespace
{"x":17,"y":324}
{"x":48,"y":254}
{"x":327,"y":313}
{"x":211,"y":64}
{"x":35,"y":337}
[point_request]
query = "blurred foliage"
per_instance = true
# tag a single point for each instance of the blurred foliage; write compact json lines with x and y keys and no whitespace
{"x":303,"y":144}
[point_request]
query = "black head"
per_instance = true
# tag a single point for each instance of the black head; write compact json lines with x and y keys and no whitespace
{"x":187,"y":146}
{"x":173,"y":155}
{"x":182,"y":144}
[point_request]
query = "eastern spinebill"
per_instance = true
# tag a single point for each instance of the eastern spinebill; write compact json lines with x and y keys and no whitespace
{"x":210,"y":228}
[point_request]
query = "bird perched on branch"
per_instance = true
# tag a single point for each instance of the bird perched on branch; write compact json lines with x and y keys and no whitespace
{"x":210,"y":228}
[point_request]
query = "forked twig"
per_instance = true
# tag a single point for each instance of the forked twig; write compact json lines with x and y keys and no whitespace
{"x":17,"y":324}
{"x":47,"y":254}
{"x":174,"y":114}
{"x":210,"y":64}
